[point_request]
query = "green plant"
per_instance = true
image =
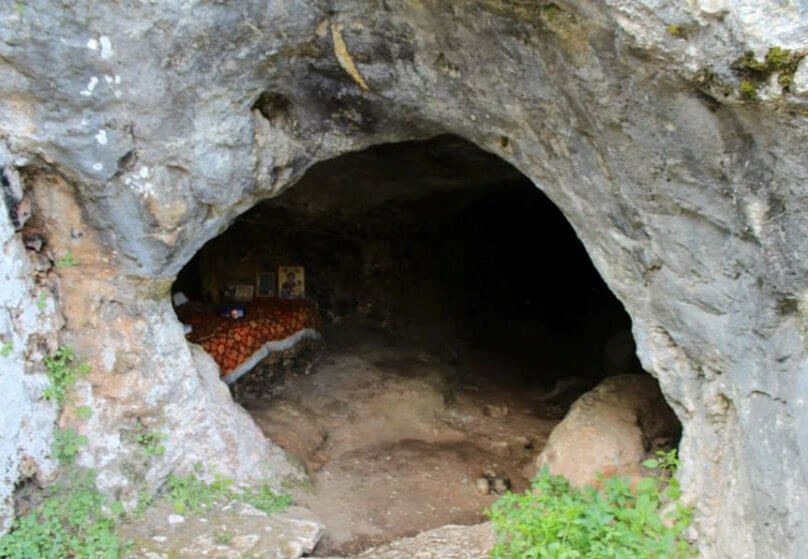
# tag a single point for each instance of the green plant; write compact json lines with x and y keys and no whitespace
{"x":550,"y":12}
{"x":150,"y":441}
{"x":189,"y":493}
{"x":63,"y":371}
{"x":675,"y":30}
{"x":84,"y":412}
{"x":67,"y":261}
{"x":556,"y":520}
{"x":224,"y":538}
{"x":42,"y":300}
{"x":74,"y":521}
{"x":265,"y":499}
{"x":66,"y":445}
{"x":748,"y":90}
{"x":778,"y":60}
{"x":6,"y":348}
{"x":144,"y":501}
{"x":667,"y":462}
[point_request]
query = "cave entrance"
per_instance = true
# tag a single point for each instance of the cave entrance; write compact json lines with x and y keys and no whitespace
{"x":410,"y":321}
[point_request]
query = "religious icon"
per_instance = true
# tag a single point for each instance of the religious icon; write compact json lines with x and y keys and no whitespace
{"x":265,"y":284}
{"x":291,"y":282}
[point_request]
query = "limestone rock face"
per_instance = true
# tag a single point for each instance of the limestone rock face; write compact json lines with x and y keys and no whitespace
{"x":26,"y":420}
{"x":162,"y":121}
{"x":608,"y":429}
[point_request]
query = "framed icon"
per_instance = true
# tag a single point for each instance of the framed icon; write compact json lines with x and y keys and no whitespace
{"x":244,"y":292}
{"x":291,"y":282}
{"x":265,"y":284}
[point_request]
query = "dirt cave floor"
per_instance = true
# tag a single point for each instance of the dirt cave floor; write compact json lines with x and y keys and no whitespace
{"x":394,"y":438}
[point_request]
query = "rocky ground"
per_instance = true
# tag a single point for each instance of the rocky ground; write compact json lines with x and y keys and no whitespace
{"x":405,"y":450}
{"x":396,"y":441}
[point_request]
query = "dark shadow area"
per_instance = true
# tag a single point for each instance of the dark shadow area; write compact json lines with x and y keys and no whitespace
{"x":437,"y":243}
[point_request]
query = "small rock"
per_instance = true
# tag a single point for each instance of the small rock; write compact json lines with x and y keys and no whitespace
{"x":713,"y":7}
{"x":175,"y":519}
{"x":483,"y":485}
{"x":500,"y":448}
{"x":501,"y":484}
{"x":495,"y":412}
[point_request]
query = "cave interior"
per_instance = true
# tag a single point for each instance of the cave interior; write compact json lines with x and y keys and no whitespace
{"x":429,"y":262}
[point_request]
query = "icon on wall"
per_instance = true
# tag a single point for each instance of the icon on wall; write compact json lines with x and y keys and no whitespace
{"x":265,"y":284}
{"x":291,"y":282}
{"x":244,"y":292}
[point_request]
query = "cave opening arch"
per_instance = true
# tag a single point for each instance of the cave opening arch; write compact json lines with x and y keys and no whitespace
{"x":433,"y":244}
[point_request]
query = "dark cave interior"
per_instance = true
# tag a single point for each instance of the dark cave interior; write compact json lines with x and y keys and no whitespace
{"x":436,"y":242}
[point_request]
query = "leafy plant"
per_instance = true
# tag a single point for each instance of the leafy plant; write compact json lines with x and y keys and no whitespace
{"x":667,"y":462}
{"x":74,"y":521}
{"x":67,"y":261}
{"x":144,"y":501}
{"x":265,"y":499}
{"x":151,"y":441}
{"x":63,"y":371}
{"x":6,"y":348}
{"x":42,"y":300}
{"x":556,"y":520}
{"x":189,"y":493}
{"x":66,"y":445}
{"x":84,"y":412}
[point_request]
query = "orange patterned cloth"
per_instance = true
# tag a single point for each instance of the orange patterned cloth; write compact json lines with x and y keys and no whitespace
{"x":231,"y":342}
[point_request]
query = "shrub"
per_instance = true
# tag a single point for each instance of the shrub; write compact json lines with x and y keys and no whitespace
{"x":558,"y":521}
{"x":74,"y":521}
{"x":66,"y":445}
{"x":63,"y":371}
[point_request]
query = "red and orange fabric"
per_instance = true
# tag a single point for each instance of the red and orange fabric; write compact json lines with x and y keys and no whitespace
{"x":231,"y":342}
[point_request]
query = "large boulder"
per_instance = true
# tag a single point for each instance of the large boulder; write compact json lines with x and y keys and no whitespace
{"x":609,"y":429}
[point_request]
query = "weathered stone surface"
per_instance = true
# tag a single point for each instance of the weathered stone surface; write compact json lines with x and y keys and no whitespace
{"x":143,"y":372}
{"x":608,"y":430}
{"x":446,"y":542}
{"x":231,"y":531}
{"x":689,"y":199}
{"x":26,"y":421}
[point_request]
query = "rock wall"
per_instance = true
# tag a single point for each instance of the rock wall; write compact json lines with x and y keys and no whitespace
{"x":27,"y":323}
{"x":683,"y":177}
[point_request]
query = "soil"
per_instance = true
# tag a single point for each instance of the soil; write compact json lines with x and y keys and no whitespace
{"x":394,"y":438}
